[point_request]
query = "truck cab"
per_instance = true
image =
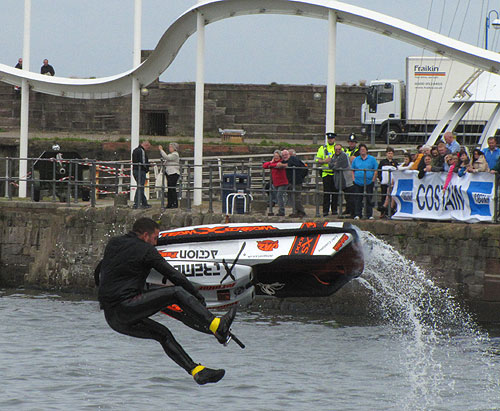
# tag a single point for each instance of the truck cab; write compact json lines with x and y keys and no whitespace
{"x":382,"y":111}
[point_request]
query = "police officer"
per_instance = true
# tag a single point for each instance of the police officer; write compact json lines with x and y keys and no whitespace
{"x":352,"y":150}
{"x":323,"y":157}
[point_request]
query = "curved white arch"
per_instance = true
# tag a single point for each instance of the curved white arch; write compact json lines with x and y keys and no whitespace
{"x":214,"y":10}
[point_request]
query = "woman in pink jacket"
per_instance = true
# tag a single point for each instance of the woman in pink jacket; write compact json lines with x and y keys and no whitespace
{"x":278,"y":179}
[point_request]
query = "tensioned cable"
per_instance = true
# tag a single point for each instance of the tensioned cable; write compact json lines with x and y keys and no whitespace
{"x":443,"y":97}
{"x":421,"y":56}
{"x":476,"y":109}
{"x":426,"y":110}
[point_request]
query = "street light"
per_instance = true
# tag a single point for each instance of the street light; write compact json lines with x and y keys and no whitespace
{"x":495,"y":23}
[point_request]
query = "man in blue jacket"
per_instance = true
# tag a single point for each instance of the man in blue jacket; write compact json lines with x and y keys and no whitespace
{"x":365,"y":173}
{"x":492,"y":152}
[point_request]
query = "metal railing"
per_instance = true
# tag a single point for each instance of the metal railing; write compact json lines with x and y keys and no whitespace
{"x":76,"y":180}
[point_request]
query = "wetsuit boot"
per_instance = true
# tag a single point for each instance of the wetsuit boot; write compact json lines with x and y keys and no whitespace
{"x":203,"y":375}
{"x":220,"y":326}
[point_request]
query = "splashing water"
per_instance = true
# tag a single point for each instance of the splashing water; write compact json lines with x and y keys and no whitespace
{"x":433,"y":329}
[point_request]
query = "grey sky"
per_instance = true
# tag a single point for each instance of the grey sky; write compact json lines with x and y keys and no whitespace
{"x":95,"y":37}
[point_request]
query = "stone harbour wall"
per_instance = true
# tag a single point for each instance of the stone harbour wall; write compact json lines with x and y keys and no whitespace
{"x":55,"y":247}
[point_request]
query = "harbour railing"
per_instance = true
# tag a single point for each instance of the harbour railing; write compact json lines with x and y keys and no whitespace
{"x":233,"y":184}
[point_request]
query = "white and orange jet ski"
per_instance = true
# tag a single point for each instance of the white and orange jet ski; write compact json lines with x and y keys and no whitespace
{"x":231,"y":263}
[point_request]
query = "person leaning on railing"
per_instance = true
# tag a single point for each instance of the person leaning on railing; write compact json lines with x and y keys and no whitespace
{"x":479,"y":163}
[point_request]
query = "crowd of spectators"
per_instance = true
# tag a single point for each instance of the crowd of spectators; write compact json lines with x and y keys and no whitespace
{"x":349,"y":173}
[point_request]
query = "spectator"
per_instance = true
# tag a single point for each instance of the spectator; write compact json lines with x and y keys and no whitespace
{"x":492,"y":152}
{"x":407,"y":163}
{"x":343,"y":177}
{"x":323,"y":156}
{"x":434,"y":152}
{"x":278,"y":179}
{"x":386,"y":166}
{"x":463,"y":164}
{"x":417,"y":160}
{"x":296,"y":172}
{"x":140,"y":168}
{"x":452,"y":160}
{"x":479,"y":163}
{"x":364,"y":174}
{"x":439,"y":163}
{"x":427,"y":166}
{"x":496,"y":169}
{"x":173,"y":171}
{"x":19,"y":66}
{"x":47,"y":69}
{"x":351,"y":150}
{"x":451,"y":143}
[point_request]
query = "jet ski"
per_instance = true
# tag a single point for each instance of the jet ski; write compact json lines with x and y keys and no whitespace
{"x":232,"y":263}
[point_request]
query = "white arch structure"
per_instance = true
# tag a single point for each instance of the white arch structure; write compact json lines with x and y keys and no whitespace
{"x":215,"y":10}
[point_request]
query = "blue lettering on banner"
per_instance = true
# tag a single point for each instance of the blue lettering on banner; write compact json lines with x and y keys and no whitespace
{"x":404,"y":193}
{"x":454,"y":199}
{"x":428,"y":197}
{"x":479,"y":193}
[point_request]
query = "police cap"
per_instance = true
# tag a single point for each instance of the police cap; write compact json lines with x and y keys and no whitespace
{"x":331,"y":135}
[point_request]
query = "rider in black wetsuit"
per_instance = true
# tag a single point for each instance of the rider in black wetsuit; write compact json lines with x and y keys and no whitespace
{"x":121,"y":276}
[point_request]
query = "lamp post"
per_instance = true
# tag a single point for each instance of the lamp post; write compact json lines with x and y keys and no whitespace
{"x":495,"y":23}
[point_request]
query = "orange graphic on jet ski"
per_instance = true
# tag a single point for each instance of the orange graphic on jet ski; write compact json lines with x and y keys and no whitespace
{"x":267,"y":245}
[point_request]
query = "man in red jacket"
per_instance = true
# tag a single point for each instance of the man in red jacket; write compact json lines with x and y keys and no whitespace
{"x":278,"y":179}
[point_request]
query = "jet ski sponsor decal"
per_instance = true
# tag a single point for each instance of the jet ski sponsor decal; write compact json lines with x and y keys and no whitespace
{"x":168,"y":254}
{"x":198,"y":269}
{"x":216,"y":287}
{"x":190,"y":254}
{"x":306,"y":245}
{"x":341,"y":242}
{"x":267,"y":245}
{"x":218,"y":230}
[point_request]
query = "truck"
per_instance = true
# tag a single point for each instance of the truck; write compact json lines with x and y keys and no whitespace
{"x":394,"y":108}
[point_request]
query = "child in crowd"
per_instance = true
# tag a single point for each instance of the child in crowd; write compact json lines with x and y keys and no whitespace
{"x":463,"y":164}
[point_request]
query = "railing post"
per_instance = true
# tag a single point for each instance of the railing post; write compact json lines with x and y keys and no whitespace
{"x":92,"y":184}
{"x":188,"y":199}
{"x":8,"y":171}
{"x":210,"y":190}
{"x":68,"y":185}
{"x":316,"y":188}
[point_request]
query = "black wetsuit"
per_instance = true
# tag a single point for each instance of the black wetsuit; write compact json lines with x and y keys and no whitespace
{"x":121,"y":276}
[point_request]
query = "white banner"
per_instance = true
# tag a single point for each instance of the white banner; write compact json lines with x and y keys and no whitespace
{"x":469,"y":198}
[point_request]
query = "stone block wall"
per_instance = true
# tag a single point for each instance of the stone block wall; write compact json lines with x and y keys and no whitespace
{"x":51,"y":246}
{"x":263,"y":111}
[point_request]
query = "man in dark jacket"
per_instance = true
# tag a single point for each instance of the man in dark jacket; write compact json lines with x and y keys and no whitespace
{"x":296,"y":172}
{"x":121,"y":277}
{"x":47,"y":69}
{"x":140,"y":168}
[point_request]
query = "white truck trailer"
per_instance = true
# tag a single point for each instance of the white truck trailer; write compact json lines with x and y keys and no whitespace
{"x":394,"y":108}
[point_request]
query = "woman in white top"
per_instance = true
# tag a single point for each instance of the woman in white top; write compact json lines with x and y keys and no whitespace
{"x":172,"y":169}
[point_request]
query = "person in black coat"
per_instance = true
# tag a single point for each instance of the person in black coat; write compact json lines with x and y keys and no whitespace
{"x":140,"y":167}
{"x":47,"y":69}
{"x":296,"y":172}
